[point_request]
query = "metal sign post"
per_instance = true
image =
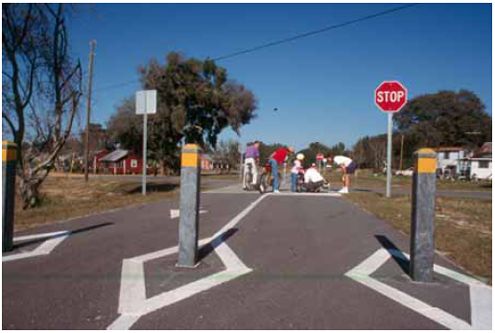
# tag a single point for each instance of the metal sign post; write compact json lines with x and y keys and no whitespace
{"x":389,"y":156}
{"x":145,"y":103}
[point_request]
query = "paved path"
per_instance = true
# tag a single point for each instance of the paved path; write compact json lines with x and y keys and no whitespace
{"x":268,"y":262}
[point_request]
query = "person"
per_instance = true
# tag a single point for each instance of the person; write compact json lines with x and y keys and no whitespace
{"x":348,"y":167}
{"x":313,"y":180}
{"x":251,"y":157}
{"x":294,"y":172}
{"x":276,"y":158}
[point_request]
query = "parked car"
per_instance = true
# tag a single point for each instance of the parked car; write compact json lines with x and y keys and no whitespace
{"x":408,"y":172}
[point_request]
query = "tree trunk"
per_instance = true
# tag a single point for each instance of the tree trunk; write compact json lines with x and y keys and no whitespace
{"x":162,"y":167}
{"x":30,"y":189}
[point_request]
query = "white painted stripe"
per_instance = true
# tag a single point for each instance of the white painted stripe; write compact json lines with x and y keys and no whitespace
{"x":229,"y":258}
{"x":163,"y":253}
{"x":435,"y":314}
{"x":371,"y":264}
{"x":49,"y":245}
{"x":46,"y":235}
{"x":481,"y":307}
{"x":189,"y":290}
{"x":175,"y":213}
{"x":44,"y":248}
{"x":132,"y":286}
{"x":480,"y":294}
{"x":124,"y":322}
{"x":239,"y":217}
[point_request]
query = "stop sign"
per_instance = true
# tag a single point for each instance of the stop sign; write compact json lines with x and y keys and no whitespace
{"x":390,"y":96}
{"x":319,"y":156}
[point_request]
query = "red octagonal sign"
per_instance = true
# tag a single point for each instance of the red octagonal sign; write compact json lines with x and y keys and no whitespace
{"x":390,"y":96}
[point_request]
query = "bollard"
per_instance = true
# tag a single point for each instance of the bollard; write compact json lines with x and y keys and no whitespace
{"x":189,"y":206}
{"x":9,"y":150}
{"x":423,"y":216}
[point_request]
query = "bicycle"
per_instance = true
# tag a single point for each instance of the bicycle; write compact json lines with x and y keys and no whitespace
{"x":248,"y":178}
{"x":266,"y":179}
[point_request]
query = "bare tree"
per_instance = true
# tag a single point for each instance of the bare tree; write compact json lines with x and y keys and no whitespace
{"x":42,"y":89}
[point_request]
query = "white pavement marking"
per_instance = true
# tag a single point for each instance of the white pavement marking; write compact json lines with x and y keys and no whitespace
{"x":175,"y":213}
{"x":132,"y":300}
{"x":55,"y":238}
{"x":480,"y":294}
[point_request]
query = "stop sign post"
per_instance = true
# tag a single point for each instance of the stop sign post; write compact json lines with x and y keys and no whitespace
{"x":390,"y":97}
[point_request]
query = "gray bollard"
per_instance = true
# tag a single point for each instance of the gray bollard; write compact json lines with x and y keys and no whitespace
{"x":9,"y":152}
{"x":423,"y":216}
{"x":189,"y":206}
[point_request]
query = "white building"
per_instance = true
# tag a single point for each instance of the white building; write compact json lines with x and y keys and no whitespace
{"x":448,"y":159}
{"x":481,"y":163}
{"x":481,"y":168}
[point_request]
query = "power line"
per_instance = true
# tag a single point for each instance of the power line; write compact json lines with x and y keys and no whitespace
{"x":314,"y":32}
{"x":285,"y":40}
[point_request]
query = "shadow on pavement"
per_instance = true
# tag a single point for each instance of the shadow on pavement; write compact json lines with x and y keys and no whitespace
{"x":76,"y":231}
{"x":205,"y":250}
{"x":395,"y":252}
{"x":151,"y":187}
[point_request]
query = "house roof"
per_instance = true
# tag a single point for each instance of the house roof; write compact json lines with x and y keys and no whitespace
{"x":115,"y":155}
{"x":449,"y":149}
{"x":486,"y":148}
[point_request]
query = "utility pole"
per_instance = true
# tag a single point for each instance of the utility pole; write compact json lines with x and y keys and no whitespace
{"x":401,"y":148}
{"x":92,"y":45}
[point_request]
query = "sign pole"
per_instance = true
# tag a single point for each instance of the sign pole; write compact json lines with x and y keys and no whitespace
{"x":145,"y":139}
{"x":145,"y":103}
{"x":389,"y":156}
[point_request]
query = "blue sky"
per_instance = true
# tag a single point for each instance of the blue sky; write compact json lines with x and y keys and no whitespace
{"x":322,"y":85}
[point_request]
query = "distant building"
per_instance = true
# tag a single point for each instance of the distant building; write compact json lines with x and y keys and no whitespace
{"x":206,"y":162}
{"x":121,"y":162}
{"x":481,"y":162}
{"x":449,"y":159}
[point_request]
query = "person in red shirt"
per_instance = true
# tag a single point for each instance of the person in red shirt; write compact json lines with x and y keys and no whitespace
{"x":276,"y":158}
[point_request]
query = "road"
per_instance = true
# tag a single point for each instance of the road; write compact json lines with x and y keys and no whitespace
{"x":267,"y":262}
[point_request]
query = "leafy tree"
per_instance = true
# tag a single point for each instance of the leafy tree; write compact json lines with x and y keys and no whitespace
{"x":196,"y":101}
{"x":41,"y":89}
{"x":228,"y":152}
{"x":446,"y":118}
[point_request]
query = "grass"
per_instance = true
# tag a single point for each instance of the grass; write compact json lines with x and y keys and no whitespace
{"x":463,"y":227}
{"x":66,"y":197}
{"x":365,"y":178}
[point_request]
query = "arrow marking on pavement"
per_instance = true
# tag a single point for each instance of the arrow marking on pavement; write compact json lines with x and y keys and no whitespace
{"x":55,"y":238}
{"x":175,"y":213}
{"x":480,"y":294}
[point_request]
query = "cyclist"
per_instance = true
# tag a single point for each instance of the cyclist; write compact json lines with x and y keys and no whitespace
{"x":277,"y":158}
{"x":252,"y":157}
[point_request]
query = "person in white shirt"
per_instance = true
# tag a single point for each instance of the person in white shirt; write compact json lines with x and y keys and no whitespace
{"x":294,"y":172}
{"x":313,"y":180}
{"x":348,"y":167}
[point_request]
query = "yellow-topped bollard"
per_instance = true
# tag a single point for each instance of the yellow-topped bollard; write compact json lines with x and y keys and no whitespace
{"x":423,"y":215}
{"x":189,"y":205}
{"x":9,"y":158}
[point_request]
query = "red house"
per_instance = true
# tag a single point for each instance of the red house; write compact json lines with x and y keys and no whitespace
{"x":122,"y":162}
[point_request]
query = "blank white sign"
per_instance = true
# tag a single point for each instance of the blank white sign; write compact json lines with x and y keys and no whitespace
{"x":146,"y":102}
